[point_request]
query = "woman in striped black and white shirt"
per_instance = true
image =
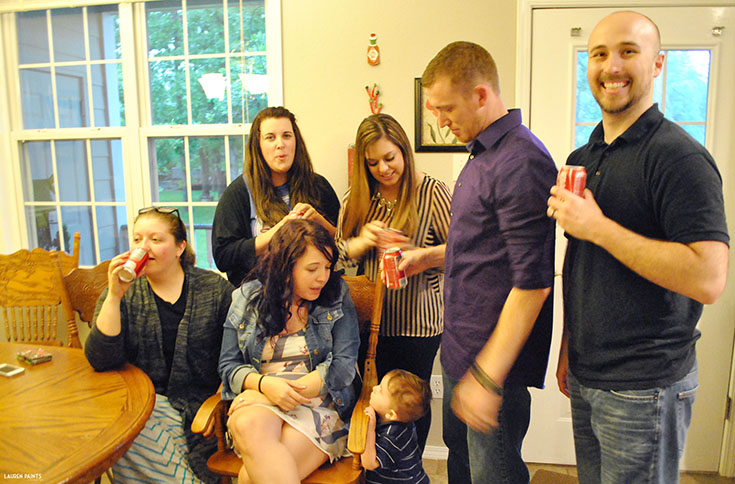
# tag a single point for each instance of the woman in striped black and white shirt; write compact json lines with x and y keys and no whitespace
{"x":385,"y":191}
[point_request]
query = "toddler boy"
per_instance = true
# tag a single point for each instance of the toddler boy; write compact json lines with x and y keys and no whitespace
{"x":391,"y":448}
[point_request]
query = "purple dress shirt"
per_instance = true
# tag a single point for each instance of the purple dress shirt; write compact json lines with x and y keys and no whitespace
{"x":499,"y":238}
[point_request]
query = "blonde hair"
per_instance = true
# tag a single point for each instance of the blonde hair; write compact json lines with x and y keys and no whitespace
{"x":410,"y":394}
{"x":363,"y":186}
{"x":465,"y":64}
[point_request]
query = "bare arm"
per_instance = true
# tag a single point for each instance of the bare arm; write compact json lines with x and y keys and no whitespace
{"x":369,"y":458}
{"x":697,"y":270}
{"x":472,"y":403}
{"x":418,"y":260}
{"x":108,"y":319}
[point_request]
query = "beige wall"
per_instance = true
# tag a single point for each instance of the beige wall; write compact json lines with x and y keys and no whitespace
{"x":325,"y":72}
{"x":325,"y":67}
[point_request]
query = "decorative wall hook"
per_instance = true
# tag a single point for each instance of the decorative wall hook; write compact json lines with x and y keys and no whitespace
{"x":373,"y":94}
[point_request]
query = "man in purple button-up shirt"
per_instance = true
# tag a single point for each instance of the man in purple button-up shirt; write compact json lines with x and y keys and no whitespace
{"x":499,"y":270}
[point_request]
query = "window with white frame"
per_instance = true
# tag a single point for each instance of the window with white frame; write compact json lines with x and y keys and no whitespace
{"x":108,"y":123}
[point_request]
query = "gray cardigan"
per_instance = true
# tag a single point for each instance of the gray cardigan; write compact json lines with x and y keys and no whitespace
{"x":193,"y":376}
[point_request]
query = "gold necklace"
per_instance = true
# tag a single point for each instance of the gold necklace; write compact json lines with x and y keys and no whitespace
{"x":382,"y":202}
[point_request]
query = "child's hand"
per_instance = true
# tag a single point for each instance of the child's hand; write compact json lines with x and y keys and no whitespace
{"x":370,"y":412}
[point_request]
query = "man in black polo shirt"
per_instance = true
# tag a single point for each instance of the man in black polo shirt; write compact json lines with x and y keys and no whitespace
{"x":648,"y":246}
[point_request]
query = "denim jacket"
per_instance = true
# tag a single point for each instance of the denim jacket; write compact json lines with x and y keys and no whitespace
{"x":332,"y":339}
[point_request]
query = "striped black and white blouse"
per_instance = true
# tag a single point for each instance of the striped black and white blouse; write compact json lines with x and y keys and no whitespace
{"x":416,"y":310}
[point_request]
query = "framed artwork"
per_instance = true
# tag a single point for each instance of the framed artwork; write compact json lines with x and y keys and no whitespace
{"x":429,"y":136}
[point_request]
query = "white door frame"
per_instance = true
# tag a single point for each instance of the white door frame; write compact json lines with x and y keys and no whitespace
{"x":523,"y":100}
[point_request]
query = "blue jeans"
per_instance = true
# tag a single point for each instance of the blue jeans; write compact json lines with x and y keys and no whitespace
{"x":493,"y":458}
{"x":631,"y":436}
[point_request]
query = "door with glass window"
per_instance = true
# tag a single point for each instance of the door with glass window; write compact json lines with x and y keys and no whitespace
{"x":694,"y":90}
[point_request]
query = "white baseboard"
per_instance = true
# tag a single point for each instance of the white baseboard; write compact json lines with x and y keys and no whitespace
{"x":436,"y":452}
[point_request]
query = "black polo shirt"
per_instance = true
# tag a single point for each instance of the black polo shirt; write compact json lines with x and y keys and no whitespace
{"x":627,"y":333}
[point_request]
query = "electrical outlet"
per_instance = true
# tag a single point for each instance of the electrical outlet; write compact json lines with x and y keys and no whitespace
{"x":437,"y":386}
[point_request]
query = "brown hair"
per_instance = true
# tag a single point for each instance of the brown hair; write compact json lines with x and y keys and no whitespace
{"x":177,"y":228}
{"x":275,"y":271}
{"x":409,"y":393}
{"x":301,"y":185}
{"x":465,"y":64}
{"x":363,"y":186}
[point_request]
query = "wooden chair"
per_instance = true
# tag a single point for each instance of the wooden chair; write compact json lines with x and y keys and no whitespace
{"x":368,"y":299}
{"x":84,"y":286}
{"x":31,"y":290}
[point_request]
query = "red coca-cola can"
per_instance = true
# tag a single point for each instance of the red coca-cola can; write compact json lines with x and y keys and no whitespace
{"x":572,"y":178}
{"x":135,"y":263}
{"x":394,"y":278}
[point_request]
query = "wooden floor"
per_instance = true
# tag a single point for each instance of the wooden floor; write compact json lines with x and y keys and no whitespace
{"x":437,"y":471}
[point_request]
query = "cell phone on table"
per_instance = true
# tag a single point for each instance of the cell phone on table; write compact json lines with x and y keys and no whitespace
{"x":10,"y":370}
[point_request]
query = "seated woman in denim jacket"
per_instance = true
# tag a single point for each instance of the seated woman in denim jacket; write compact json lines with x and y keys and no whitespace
{"x":288,"y":358}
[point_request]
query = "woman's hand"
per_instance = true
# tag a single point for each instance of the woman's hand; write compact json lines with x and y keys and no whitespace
{"x":248,"y":397}
{"x":369,"y":237}
{"x":116,"y":287}
{"x":283,"y":393}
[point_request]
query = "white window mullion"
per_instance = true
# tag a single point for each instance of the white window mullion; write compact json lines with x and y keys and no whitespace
{"x":57,"y":198}
{"x":187,"y":62}
{"x":52,"y":69}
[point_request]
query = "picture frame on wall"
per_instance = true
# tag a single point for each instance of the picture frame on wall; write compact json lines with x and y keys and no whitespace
{"x":430,"y":137}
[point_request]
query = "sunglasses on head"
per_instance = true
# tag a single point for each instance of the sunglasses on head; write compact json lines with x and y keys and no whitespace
{"x":164,"y":210}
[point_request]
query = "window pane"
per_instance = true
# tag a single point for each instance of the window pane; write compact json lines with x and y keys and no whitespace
{"x":79,"y":219}
{"x":582,"y":135}
{"x":104,"y":32}
{"x":107,"y":168}
{"x":247,"y":102}
{"x":67,"y":26}
{"x":43,"y":227}
{"x":38,"y":171}
{"x":206,"y":28}
{"x":203,"y":217}
{"x":588,"y":110}
{"x":71,"y":91}
{"x":36,"y":98}
{"x":697,"y":131}
{"x":206,"y":110}
{"x":165,"y":28}
{"x":168,"y":92}
{"x":32,"y":37}
{"x":236,"y":155}
{"x":168,"y":170}
{"x":107,"y":95}
{"x":112,"y":226}
{"x":207,"y":161}
{"x":252,"y":34}
{"x":687,"y":82}
{"x":71,"y":167}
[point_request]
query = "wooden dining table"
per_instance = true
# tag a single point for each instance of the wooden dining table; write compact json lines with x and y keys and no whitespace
{"x":61,"y":421}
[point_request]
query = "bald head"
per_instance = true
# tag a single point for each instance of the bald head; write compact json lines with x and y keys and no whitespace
{"x":633,"y":24}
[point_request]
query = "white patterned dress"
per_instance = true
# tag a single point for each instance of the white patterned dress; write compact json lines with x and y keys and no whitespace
{"x":288,"y":357}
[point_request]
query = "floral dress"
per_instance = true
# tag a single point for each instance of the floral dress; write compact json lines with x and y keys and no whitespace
{"x":288,"y":357}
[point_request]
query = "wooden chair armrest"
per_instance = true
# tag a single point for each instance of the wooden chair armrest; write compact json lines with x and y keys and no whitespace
{"x":206,"y":413}
{"x":358,"y":426}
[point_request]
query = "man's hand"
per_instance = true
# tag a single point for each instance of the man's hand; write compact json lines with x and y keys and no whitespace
{"x":476,"y":406}
{"x":578,"y":216}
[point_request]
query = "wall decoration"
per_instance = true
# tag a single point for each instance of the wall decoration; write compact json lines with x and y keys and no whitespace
{"x":373,"y":94}
{"x":429,"y":136}
{"x":373,"y":51}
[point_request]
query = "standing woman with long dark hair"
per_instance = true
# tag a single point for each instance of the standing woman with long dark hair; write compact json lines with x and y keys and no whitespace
{"x":278,"y":183}
{"x":386,"y":190}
